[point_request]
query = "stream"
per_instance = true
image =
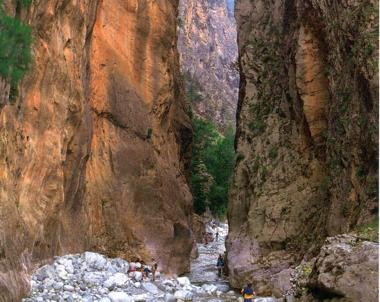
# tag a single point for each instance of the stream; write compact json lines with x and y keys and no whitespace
{"x":203,"y":270}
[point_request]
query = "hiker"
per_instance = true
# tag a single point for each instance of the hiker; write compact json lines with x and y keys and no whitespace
{"x":217,"y":236}
{"x":132,"y":267}
{"x":154,"y":270}
{"x":248,"y":293}
{"x":205,"y":238}
{"x":220,"y":265}
{"x":145,"y":270}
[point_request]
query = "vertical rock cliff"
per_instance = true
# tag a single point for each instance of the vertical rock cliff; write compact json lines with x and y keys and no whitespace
{"x":307,"y":127}
{"x":208,"y":54}
{"x":92,"y":152}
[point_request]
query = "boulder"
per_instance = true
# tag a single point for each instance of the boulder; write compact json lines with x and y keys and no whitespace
{"x":119,"y":297}
{"x":120,"y":265}
{"x":209,"y":288}
{"x":170,"y":298}
{"x":281,"y":282}
{"x":151,"y":288}
{"x":183,"y":295}
{"x":94,"y":260}
{"x":137,"y":276}
{"x":140,"y":298}
{"x":347,"y":267}
{"x":183,"y":281}
{"x":67,"y":264}
{"x":93,"y":278}
{"x":44,"y":272}
{"x":118,"y":279}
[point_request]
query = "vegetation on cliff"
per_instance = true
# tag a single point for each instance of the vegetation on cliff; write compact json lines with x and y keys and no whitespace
{"x":15,"y":47}
{"x":211,"y":167}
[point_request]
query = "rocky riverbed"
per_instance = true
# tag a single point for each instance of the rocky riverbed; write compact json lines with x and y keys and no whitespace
{"x":91,"y":277}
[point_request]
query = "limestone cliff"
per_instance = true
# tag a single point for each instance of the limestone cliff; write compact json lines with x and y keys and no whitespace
{"x":92,"y":151}
{"x":307,"y":125}
{"x":208,"y":53}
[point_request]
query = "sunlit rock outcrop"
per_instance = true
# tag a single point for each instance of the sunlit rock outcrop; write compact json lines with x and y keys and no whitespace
{"x":93,"y":150}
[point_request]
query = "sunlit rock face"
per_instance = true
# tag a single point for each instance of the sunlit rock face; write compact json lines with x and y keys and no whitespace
{"x":92,"y":152}
{"x":208,"y":54}
{"x":307,"y":150}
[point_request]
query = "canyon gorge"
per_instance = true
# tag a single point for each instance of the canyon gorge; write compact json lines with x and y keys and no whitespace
{"x":96,"y":139}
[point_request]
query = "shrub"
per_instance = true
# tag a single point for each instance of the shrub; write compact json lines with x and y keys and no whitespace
{"x":257,"y":126}
{"x":25,"y":2}
{"x":273,"y":152}
{"x":15,"y":48}
{"x":345,"y":209}
{"x":370,"y":231}
{"x":325,"y":185}
{"x":149,"y":133}
{"x":239,"y":157}
{"x":361,"y":173}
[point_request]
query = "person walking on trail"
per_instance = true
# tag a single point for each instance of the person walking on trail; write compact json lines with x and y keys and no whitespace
{"x":217,"y":236}
{"x":154,"y":270}
{"x":145,"y":270}
{"x":248,"y":293}
{"x":220,"y":265}
{"x":205,"y":239}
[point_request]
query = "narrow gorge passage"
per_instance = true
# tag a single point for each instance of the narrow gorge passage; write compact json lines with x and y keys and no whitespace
{"x":127,"y":125}
{"x":203,"y":270}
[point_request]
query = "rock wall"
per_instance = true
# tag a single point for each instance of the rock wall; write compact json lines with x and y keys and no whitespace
{"x":346,"y":267}
{"x":4,"y":92}
{"x":92,"y":152}
{"x":307,"y":127}
{"x":208,"y":54}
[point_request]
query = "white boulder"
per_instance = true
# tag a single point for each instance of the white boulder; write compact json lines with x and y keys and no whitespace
{"x":119,"y":297}
{"x":183,"y":281}
{"x":170,"y":298}
{"x":151,"y":288}
{"x":137,"y":276}
{"x":93,"y":278}
{"x":183,"y":295}
{"x":209,"y":288}
{"x":94,"y":260}
{"x":118,"y":279}
{"x":140,"y":298}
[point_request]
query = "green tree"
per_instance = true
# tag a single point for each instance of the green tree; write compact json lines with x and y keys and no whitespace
{"x":212,"y":166}
{"x":15,"y":47}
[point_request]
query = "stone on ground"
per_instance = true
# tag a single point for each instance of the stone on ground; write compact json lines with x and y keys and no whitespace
{"x":119,"y":297}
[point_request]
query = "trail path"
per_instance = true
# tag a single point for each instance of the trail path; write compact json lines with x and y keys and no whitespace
{"x":203,"y":270}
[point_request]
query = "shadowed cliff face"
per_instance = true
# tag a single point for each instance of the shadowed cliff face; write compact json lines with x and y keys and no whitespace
{"x":306,"y":133}
{"x":92,"y":153}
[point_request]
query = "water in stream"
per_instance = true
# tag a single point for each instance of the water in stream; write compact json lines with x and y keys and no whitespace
{"x":203,"y":269}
